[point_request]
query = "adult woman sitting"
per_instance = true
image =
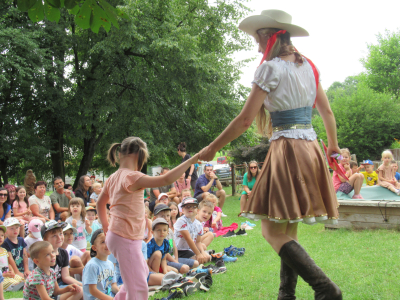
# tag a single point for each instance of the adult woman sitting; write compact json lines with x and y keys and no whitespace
{"x":83,"y":189}
{"x":12,"y":193}
{"x":249,"y":179}
{"x":5,"y":208}
{"x":40,"y":204}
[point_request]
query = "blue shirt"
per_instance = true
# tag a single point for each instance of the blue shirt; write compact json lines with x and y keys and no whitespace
{"x":397,"y":176}
{"x":118,"y":277}
{"x":98,"y":272}
{"x":153,"y":247}
{"x":202,"y":181}
{"x":8,"y":207}
{"x":17,"y":251}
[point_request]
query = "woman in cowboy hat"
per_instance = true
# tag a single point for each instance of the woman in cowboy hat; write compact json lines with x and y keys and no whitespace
{"x":294,"y":184}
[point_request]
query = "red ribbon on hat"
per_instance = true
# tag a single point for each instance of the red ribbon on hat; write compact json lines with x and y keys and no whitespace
{"x":271,"y":43}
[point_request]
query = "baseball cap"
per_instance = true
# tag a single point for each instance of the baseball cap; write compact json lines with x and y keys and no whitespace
{"x":189,"y":200}
{"x":93,"y":239}
{"x":91,"y":208}
{"x":68,"y":227}
{"x":34,"y":227}
{"x":11,"y":221}
{"x":162,"y":195}
{"x":367,"y":162}
{"x":50,"y":225}
{"x":159,"y":221}
{"x":4,"y":228}
{"x":160,"y":207}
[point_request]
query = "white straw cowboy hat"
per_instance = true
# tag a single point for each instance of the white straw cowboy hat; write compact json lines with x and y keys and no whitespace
{"x":271,"y":18}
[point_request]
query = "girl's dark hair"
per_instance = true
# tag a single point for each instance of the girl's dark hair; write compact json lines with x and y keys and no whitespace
{"x":182,"y":147}
{"x":249,"y":176}
{"x":81,"y":185}
{"x":8,"y":199}
{"x":25,"y":198}
{"x":173,"y":203}
{"x":130,"y":145}
{"x":40,"y":183}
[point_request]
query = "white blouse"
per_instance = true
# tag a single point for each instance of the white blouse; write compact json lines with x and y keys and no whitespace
{"x":288,"y":86}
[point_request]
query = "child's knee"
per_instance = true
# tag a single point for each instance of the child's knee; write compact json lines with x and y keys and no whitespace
{"x":184,"y":269}
{"x":75,"y":262}
{"x":156,"y":255}
{"x":195,"y":264}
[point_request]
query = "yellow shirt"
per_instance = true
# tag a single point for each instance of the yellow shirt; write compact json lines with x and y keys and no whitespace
{"x":371,"y":178}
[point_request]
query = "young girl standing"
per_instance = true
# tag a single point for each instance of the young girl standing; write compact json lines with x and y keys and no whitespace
{"x":386,"y":173}
{"x":124,"y":191}
{"x":174,"y":214}
{"x":77,"y":212}
{"x":355,"y":180}
{"x":294,"y":183}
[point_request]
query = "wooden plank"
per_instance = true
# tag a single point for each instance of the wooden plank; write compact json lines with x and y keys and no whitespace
{"x":369,"y":218}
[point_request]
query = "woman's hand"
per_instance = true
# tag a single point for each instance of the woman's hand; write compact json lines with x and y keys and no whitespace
{"x":333,"y":149}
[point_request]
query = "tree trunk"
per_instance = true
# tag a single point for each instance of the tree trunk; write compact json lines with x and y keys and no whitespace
{"x":3,"y":170}
{"x":57,"y":155}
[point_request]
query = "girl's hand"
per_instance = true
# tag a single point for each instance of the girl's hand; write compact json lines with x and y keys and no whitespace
{"x":207,"y":154}
{"x":9,"y":274}
{"x":205,"y":229}
{"x":201,"y":258}
{"x":26,"y":273}
{"x":346,"y":166}
{"x":74,"y":222}
{"x":362,"y":166}
{"x":333,"y":149}
{"x":248,"y":193}
{"x":105,"y":228}
{"x":87,"y":223}
{"x":214,"y":224}
{"x":19,"y":274}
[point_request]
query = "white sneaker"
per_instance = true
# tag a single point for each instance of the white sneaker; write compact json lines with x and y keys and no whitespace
{"x":223,"y":215}
{"x":398,"y":192}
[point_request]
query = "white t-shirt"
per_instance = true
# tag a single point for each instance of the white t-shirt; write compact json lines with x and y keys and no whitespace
{"x":79,"y":238}
{"x":94,"y":196}
{"x":29,"y":241}
{"x":195,"y":229}
{"x":72,"y":251}
{"x":44,"y":204}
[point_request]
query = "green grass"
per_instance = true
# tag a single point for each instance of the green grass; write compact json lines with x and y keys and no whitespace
{"x":363,"y":263}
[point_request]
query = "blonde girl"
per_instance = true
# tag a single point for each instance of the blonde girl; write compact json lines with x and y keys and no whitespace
{"x":355,"y":180}
{"x":249,"y":179}
{"x":77,"y":219}
{"x":386,"y":173}
{"x":125,"y":231}
{"x":175,"y":215}
{"x":216,"y":223}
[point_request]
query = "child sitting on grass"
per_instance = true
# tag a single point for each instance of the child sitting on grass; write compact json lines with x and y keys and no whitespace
{"x":183,"y":265}
{"x":185,"y":194}
{"x":153,"y":278}
{"x":215,"y":222}
{"x":205,"y":217}
{"x":386,"y":174}
{"x":370,"y":175}
{"x":354,"y":167}
{"x":98,"y":275}
{"x":95,"y":195}
{"x":158,"y":247}
{"x":77,"y":219}
{"x":355,"y":180}
{"x":8,"y":268}
{"x":188,"y":233}
{"x":52,"y":232}
{"x":147,"y":231}
{"x":94,"y":224}
{"x":77,"y":258}
{"x":15,"y":246}
{"x":42,"y":284}
{"x":175,"y":215}
{"x":33,"y":236}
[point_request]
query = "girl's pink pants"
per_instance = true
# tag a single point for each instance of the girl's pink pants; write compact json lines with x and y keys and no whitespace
{"x":133,"y":267}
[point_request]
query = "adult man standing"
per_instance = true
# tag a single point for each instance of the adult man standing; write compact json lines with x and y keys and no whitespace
{"x":204,"y":184}
{"x":60,"y":199}
{"x":167,"y":189}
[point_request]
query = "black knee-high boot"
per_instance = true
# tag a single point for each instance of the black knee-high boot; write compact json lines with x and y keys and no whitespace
{"x":294,"y":255}
{"x":287,"y":288}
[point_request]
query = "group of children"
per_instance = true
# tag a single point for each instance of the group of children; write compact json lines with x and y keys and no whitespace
{"x":386,"y":175}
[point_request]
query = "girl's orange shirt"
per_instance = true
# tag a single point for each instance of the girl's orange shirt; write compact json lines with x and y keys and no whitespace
{"x":126,"y":207}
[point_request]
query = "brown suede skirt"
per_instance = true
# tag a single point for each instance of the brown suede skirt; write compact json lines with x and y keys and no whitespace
{"x":294,"y":185}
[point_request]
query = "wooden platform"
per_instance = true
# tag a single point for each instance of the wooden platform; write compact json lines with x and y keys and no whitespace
{"x":368,"y":215}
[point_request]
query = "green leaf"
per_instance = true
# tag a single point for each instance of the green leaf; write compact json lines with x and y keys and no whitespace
{"x":99,"y":19}
{"x":121,"y":13}
{"x":110,"y":11}
{"x":74,"y":11}
{"x":54,"y":3}
{"x":36,"y":13}
{"x":82,"y":19}
{"x":52,"y":13}
{"x":70,"y":4}
{"x":24,"y":5}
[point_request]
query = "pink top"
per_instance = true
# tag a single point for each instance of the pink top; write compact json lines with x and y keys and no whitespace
{"x":336,"y":179}
{"x":180,"y":186}
{"x":22,"y":206}
{"x":386,"y":172}
{"x":126,"y":207}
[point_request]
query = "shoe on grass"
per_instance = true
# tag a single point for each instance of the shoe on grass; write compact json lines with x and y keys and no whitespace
{"x":175,"y":294}
{"x":210,"y":251}
{"x":250,"y":224}
{"x":216,"y":256}
{"x":205,"y":270}
{"x":241,"y":232}
{"x":180,"y":283}
{"x":197,"y":276}
{"x":191,"y":288}
{"x":227,"y":258}
{"x":229,"y":234}
{"x":223,"y":215}
{"x":206,"y":283}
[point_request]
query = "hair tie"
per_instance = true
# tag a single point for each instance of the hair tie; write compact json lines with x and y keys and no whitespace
{"x":271,"y":43}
